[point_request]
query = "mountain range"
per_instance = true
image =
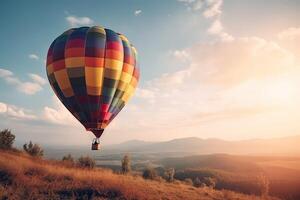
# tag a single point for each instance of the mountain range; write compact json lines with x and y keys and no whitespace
{"x":275,"y":146}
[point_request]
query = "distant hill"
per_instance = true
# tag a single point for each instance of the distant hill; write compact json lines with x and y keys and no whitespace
{"x":276,"y":146}
{"x":240,"y":173}
{"x":24,"y":177}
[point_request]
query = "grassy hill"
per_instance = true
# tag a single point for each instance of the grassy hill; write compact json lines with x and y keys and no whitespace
{"x":24,"y":177}
{"x":242,"y":173}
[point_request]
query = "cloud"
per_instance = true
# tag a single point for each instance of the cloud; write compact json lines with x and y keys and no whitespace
{"x":231,"y":62}
{"x":27,"y":87}
{"x":14,"y":112}
{"x":3,"y":107}
{"x":289,"y":34}
{"x":210,"y":9}
{"x":145,"y":94}
{"x":168,"y":80}
{"x":193,"y":4}
{"x":58,"y":114}
{"x":137,"y":12}
{"x":180,"y":55}
{"x":75,"y":21}
{"x":5,"y":73}
{"x":213,"y":8}
{"x":34,"y":57}
{"x":215,"y":28}
{"x":246,"y":78}
{"x":38,"y":79}
{"x":290,"y":39}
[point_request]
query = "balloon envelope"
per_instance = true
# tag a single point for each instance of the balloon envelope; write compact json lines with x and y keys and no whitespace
{"x":93,"y":71}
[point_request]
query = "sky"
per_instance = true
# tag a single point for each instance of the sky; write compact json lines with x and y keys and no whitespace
{"x":209,"y":69}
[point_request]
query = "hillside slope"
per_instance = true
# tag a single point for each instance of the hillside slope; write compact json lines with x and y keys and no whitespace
{"x":23,"y":177}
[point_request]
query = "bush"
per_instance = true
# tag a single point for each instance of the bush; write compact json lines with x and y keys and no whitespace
{"x":188,"y":181}
{"x":149,"y":173}
{"x":86,"y":162}
{"x":126,"y":168}
{"x":33,"y":149}
{"x":6,"y":139}
{"x":210,"y":182}
{"x":68,"y":159}
{"x":197,"y":183}
{"x":169,"y":174}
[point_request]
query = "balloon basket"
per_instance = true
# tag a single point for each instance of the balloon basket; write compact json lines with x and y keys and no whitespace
{"x":96,"y":144}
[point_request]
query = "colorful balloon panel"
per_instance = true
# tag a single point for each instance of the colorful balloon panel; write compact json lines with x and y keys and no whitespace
{"x":94,"y":72}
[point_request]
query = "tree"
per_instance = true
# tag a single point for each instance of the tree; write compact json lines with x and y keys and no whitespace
{"x":126,"y":168}
{"x":68,"y":159}
{"x":6,"y":139}
{"x":149,"y":173}
{"x":86,"y":162}
{"x":264,"y":185}
{"x":169,"y":174}
{"x":33,"y":149}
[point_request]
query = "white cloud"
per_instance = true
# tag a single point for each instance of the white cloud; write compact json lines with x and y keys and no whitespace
{"x":27,"y":87}
{"x":229,"y":62}
{"x":223,"y":80}
{"x":14,"y":112}
{"x":38,"y":79}
{"x":209,"y":8}
{"x":3,"y":107}
{"x":213,"y":8}
{"x":216,"y":27}
{"x":34,"y":57}
{"x":145,"y":94}
{"x":170,"y":79}
{"x":180,"y":55}
{"x":75,"y":21}
{"x":186,"y":1}
{"x":193,"y":4}
{"x":137,"y":12}
{"x":289,"y":34}
{"x":290,"y":39}
{"x":58,"y":114}
{"x":5,"y":73}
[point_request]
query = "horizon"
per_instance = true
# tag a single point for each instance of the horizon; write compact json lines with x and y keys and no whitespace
{"x":19,"y":145}
{"x":209,"y":69}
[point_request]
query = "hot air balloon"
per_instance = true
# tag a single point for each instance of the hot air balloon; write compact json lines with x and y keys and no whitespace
{"x":94,"y":72}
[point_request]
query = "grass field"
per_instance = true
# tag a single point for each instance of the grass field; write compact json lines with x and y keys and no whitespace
{"x":24,"y":177}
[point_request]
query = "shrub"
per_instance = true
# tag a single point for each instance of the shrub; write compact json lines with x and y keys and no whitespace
{"x":126,"y":168}
{"x":6,"y":139}
{"x":68,"y":159}
{"x":197,"y":182}
{"x":169,"y":174}
{"x":188,"y":181}
{"x":210,"y":182}
{"x":33,"y":149}
{"x":86,"y":162}
{"x":149,"y":173}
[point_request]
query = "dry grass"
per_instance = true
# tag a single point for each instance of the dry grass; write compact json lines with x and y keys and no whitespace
{"x":23,"y":177}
